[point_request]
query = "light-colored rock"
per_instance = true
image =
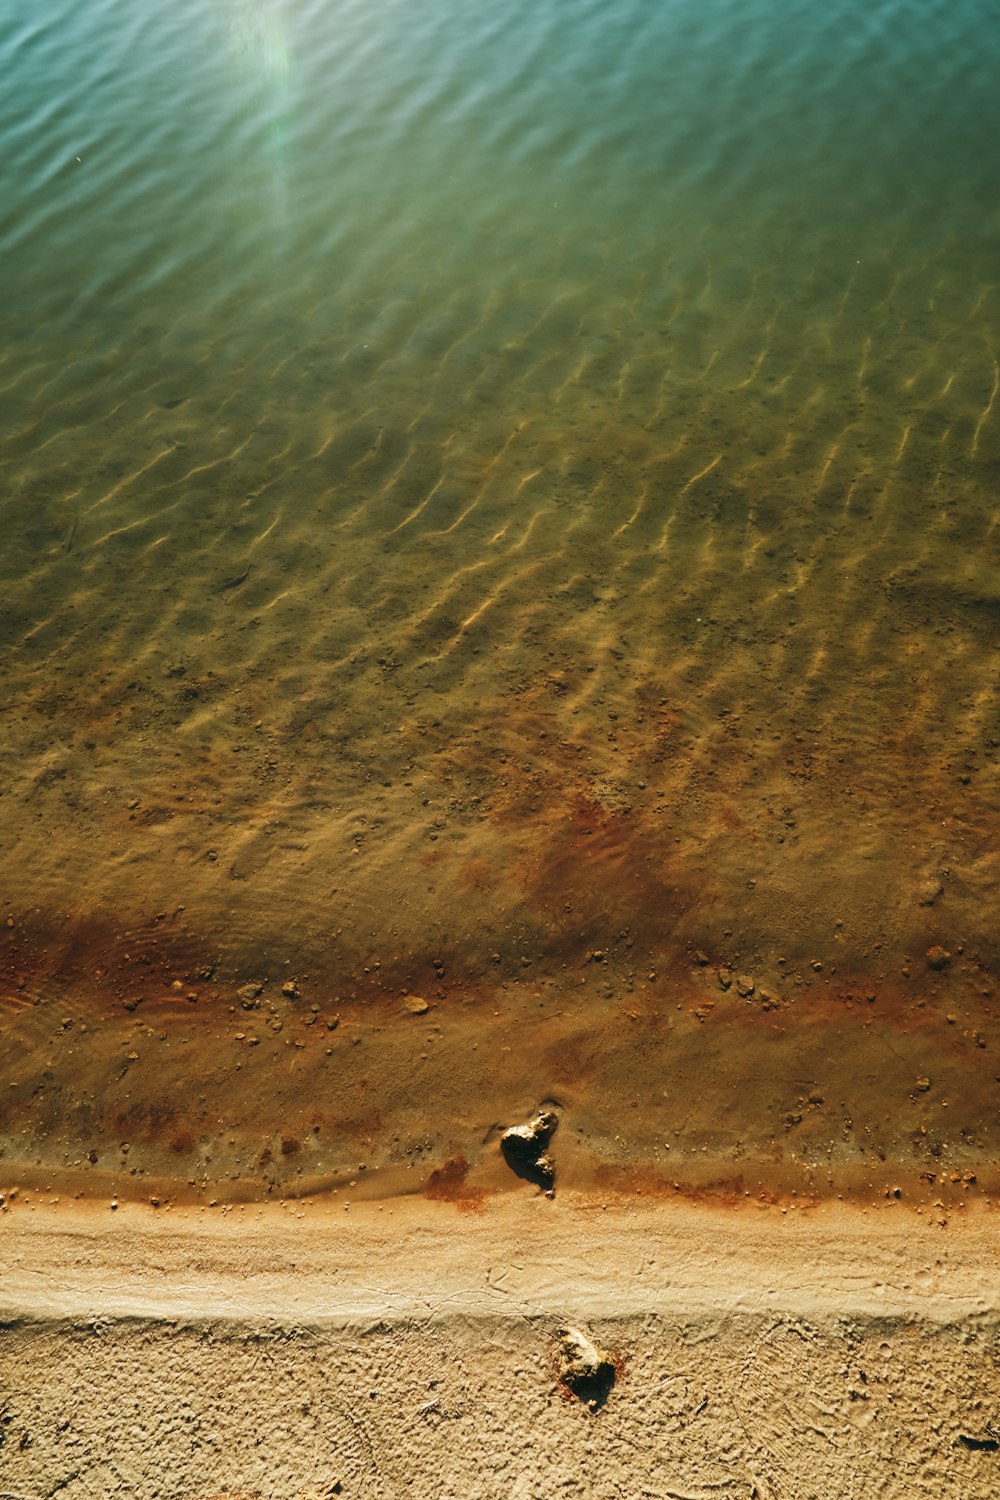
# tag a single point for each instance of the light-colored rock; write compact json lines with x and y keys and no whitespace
{"x":249,"y":996}
{"x":524,"y":1148}
{"x":583,"y":1368}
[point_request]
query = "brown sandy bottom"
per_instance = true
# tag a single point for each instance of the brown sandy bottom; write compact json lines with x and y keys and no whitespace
{"x":619,"y":684}
{"x":412,"y":1351}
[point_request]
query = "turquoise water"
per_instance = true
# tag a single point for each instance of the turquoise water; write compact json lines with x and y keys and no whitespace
{"x":480,"y":480}
{"x":203,"y":153}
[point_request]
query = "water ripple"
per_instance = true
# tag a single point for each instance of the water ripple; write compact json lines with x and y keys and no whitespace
{"x":367,"y":365}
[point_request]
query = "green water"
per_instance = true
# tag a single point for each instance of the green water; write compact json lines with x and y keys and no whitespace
{"x":452,"y":332}
{"x":457,"y":337}
{"x":766,"y":233}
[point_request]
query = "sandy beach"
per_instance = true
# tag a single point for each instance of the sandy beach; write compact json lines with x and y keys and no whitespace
{"x":413,"y":1349}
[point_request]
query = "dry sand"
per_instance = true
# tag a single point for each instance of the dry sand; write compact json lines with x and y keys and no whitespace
{"x":409,"y":1348}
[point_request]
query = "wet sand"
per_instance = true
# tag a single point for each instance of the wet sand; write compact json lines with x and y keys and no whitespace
{"x":716,"y":997}
{"x":396,"y":1348}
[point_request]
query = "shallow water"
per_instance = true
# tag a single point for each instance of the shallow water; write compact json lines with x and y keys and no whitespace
{"x":500,"y":504}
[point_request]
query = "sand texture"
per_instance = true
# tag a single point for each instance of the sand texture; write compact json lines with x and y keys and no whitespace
{"x":413,"y":1350}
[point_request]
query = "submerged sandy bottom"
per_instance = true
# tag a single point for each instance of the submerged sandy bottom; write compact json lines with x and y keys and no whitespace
{"x":690,"y":1043}
{"x":655,"y":750}
{"x":583,"y":627}
{"x":615,"y":677}
{"x":711,"y":866}
{"x":397,"y":1350}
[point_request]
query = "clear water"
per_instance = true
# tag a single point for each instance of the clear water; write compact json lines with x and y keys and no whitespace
{"x":497,"y":485}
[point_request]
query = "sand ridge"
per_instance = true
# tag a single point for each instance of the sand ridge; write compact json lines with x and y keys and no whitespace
{"x":342,"y":1263}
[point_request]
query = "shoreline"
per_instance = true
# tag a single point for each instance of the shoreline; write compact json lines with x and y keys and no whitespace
{"x":520,"y":1255}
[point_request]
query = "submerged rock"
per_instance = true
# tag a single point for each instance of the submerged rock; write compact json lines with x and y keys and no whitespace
{"x":524,"y":1149}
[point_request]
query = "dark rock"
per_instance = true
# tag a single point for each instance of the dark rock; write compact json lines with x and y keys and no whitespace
{"x":524,"y":1149}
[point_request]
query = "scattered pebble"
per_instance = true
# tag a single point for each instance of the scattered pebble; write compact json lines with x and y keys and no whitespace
{"x":248,"y":996}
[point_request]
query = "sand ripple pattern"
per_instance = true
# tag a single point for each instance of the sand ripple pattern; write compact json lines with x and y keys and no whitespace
{"x":366,"y":372}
